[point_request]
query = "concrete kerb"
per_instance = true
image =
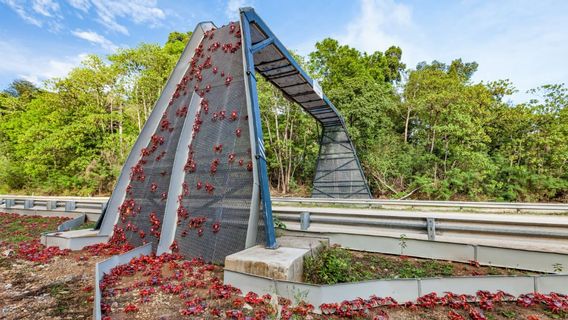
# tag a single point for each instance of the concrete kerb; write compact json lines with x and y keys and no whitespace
{"x":402,"y":290}
{"x":105,"y":266}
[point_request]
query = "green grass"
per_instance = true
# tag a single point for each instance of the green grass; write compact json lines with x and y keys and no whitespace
{"x":86,"y":225}
{"x":19,"y":228}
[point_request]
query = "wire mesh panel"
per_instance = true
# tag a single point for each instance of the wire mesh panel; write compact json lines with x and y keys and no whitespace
{"x":215,"y":202}
{"x":338,"y":173}
{"x":142,"y":211}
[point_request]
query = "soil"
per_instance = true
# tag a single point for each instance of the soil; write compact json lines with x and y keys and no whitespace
{"x":60,"y":289}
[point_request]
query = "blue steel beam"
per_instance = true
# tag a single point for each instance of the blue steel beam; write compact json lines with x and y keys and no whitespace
{"x":251,"y":16}
{"x":255,"y":117}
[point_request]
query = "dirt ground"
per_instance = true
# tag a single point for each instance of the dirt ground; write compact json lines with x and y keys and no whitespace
{"x":60,"y":289}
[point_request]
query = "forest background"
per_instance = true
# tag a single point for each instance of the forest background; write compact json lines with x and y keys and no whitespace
{"x":422,"y":132}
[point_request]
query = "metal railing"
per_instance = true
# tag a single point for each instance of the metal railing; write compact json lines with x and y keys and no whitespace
{"x":92,"y":207}
{"x":521,"y":207}
{"x":433,"y":220}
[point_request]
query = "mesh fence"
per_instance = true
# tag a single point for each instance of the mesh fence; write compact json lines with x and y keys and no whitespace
{"x":215,"y":203}
{"x":338,"y":174}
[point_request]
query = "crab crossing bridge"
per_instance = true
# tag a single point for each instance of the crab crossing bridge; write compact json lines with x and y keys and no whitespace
{"x":196,"y":179}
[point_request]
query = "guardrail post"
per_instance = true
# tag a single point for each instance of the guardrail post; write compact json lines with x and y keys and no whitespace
{"x":304,"y":221}
{"x":28,"y":203}
{"x":9,"y":203}
{"x":431,"y":225}
{"x":51,"y":205}
{"x":70,"y":205}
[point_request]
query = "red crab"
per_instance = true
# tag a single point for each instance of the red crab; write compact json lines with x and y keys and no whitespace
{"x":185,"y":189}
{"x":216,"y":227}
{"x":182,"y":213}
{"x":174,"y":246}
{"x":130,"y":308}
{"x":238,"y":132}
{"x":218,"y":148}
{"x":190,"y":166}
{"x":234,"y":115}
{"x":228,"y":80}
{"x":209,"y":188}
{"x":165,"y":125}
{"x":153,"y":187}
{"x":214,"y":164}
{"x":205,"y":105}
{"x":181,"y":112}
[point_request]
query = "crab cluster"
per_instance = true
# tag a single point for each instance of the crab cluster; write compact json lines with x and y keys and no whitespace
{"x":204,"y":78}
{"x":196,"y":283}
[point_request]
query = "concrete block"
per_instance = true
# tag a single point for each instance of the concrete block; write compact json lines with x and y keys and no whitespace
{"x":73,"y":240}
{"x":283,"y":263}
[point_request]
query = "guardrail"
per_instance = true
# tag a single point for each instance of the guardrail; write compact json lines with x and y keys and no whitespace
{"x":432,"y":220}
{"x":64,"y":206}
{"x":542,"y":233}
{"x":490,"y":207}
{"x":96,"y":204}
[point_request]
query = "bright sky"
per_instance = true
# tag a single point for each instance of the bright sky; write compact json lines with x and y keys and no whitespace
{"x":524,"y":41}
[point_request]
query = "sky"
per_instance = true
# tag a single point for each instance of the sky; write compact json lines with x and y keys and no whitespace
{"x":523,"y":41}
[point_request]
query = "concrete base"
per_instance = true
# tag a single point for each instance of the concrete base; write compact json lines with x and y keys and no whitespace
{"x":73,"y":240}
{"x":284,"y":263}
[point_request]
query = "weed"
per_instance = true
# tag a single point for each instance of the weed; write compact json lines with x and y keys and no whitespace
{"x":278,"y":223}
{"x":509,"y":314}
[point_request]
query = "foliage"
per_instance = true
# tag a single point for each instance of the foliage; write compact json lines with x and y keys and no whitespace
{"x":428,"y":132}
{"x":291,"y":139}
{"x":332,"y":264}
